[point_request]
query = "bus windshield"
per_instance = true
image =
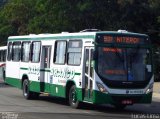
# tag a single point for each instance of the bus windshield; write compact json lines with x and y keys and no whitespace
{"x":123,"y":64}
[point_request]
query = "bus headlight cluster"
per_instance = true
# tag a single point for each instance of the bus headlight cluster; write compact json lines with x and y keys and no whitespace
{"x":101,"y":87}
{"x":150,"y":88}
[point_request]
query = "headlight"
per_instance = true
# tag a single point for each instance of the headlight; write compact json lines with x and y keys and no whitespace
{"x":150,"y":88}
{"x":101,"y":87}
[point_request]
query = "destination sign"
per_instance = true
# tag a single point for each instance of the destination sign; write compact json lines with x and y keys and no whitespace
{"x":121,"y":39}
{"x":128,"y":40}
{"x":112,"y":50}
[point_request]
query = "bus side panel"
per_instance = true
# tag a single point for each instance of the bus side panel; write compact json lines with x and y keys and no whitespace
{"x":79,"y":92}
{"x":31,"y":72}
{"x":34,"y":86}
{"x":61,"y":75}
{"x":14,"y":82}
{"x":12,"y":74}
{"x":57,"y":90}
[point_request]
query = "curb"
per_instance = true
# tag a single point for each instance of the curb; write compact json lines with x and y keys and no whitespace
{"x":156,"y":95}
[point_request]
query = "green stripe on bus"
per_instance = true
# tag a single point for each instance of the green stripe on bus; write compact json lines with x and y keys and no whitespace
{"x":77,"y":73}
{"x":14,"y":82}
{"x":48,"y":70}
{"x":22,"y":68}
{"x":45,"y":70}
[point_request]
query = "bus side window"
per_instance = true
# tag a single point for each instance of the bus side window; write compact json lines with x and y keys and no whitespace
{"x":25,"y":51}
{"x":74,"y":52}
{"x":16,"y":51}
{"x":60,"y":52}
{"x":9,"y":54}
{"x":35,"y":51}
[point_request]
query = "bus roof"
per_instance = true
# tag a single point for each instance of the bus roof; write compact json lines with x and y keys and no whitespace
{"x":66,"y":35}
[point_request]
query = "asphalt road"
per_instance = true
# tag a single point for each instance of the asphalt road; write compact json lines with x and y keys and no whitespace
{"x":14,"y":106}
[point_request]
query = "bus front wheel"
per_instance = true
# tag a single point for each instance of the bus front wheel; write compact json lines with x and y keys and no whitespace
{"x":27,"y":93}
{"x":73,"y":102}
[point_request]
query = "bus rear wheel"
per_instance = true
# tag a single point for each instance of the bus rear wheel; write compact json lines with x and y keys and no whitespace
{"x":72,"y":98}
{"x":27,"y":93}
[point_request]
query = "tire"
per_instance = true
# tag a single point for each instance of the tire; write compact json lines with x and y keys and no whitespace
{"x":72,"y":97}
{"x":28,"y":94}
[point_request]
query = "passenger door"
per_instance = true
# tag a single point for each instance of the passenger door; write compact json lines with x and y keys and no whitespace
{"x":45,"y":69}
{"x":89,"y":73}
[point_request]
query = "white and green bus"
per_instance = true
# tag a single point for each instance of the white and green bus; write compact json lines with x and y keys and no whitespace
{"x":100,"y":67}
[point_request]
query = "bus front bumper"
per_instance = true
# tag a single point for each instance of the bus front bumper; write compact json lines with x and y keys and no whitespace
{"x":103,"y":98}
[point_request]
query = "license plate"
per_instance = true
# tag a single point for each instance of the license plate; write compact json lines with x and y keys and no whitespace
{"x":127,"y":102}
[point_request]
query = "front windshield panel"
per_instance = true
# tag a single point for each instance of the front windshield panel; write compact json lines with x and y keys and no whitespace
{"x":123,"y":64}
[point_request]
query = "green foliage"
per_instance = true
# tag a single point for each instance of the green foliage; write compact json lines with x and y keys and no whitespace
{"x":32,"y":16}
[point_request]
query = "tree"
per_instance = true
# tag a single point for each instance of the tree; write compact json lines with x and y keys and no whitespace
{"x":20,"y":17}
{"x":14,"y":18}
